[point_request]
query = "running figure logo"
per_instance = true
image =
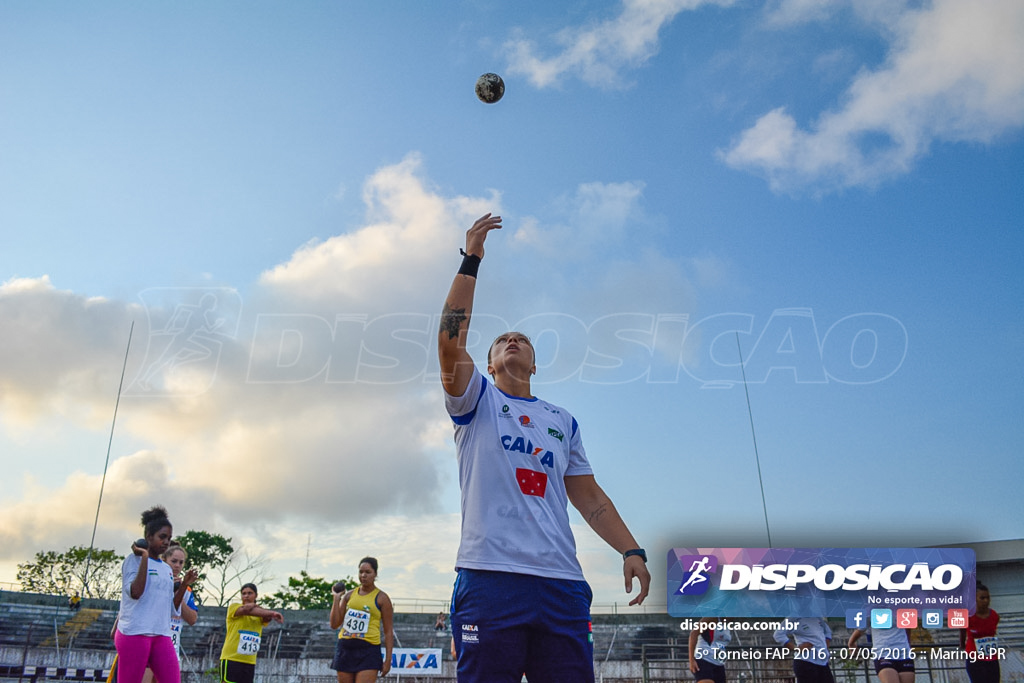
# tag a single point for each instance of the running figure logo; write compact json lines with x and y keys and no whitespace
{"x":696,"y":578}
{"x":186,"y":338}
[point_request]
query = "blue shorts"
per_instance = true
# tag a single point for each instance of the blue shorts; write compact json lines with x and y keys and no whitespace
{"x":353,"y":655}
{"x":808,"y":672}
{"x":706,"y":671}
{"x":506,"y":625}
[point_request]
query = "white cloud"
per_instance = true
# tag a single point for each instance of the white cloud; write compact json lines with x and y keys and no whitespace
{"x":601,"y":239}
{"x":233,"y":431}
{"x":596,"y":217}
{"x":416,"y":554}
{"x":952,"y":74}
{"x":790,"y":12}
{"x":785,"y":12}
{"x":598,"y":53}
{"x":61,"y":355}
{"x":595,"y":321}
{"x":409,"y":238}
{"x":308,"y":404}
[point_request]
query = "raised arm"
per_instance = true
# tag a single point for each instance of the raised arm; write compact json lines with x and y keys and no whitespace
{"x":338,"y":607}
{"x":189,"y":615}
{"x":253,"y":610}
{"x":138,"y":585}
{"x":456,"y":364}
{"x":598,"y":510}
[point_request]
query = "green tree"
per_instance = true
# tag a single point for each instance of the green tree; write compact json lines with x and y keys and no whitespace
{"x":222,"y":568}
{"x":206,"y":553}
{"x":306,"y":592}
{"x":64,"y":573}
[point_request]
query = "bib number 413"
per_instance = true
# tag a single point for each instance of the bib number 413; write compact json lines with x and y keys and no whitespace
{"x":248,"y":642}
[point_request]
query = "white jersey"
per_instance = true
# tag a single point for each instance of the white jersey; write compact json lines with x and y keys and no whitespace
{"x":890,"y":643}
{"x":513,"y":456}
{"x":713,"y":652}
{"x":812,"y":630}
{"x":150,"y":615}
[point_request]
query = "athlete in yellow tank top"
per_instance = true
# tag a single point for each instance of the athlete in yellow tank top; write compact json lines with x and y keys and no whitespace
{"x":362,"y":617}
{"x":244,"y":624}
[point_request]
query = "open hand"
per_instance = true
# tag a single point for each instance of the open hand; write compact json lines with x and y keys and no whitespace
{"x":476,"y":235}
{"x":633,"y":567}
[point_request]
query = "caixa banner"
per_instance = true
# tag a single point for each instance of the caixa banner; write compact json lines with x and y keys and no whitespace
{"x":816,"y":582}
{"x":409,"y":661}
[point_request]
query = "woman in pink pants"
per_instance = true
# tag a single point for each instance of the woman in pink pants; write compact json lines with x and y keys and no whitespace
{"x":148,"y":598}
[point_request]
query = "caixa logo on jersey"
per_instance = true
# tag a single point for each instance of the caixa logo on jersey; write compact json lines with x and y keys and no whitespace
{"x":786,"y":582}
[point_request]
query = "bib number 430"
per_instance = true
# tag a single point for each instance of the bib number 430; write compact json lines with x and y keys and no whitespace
{"x":357,"y":622}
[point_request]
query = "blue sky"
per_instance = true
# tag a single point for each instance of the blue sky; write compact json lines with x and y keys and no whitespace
{"x":834,"y":184}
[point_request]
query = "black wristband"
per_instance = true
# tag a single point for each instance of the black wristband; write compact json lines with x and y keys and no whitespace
{"x":639,"y":552}
{"x":470,"y":264}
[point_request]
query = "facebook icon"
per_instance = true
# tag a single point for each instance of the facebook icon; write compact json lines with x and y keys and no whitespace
{"x":855,"y":619}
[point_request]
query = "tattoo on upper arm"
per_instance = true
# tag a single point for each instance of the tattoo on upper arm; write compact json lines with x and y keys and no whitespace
{"x":451,"y":320}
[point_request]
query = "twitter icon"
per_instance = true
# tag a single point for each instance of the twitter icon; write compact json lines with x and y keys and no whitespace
{"x":881,"y":618}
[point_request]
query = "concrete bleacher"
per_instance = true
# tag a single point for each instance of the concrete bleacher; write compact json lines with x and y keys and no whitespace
{"x":42,"y":633}
{"x":46,"y":621}
{"x":37,"y":625}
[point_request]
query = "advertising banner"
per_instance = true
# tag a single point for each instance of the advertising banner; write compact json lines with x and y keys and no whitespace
{"x":411,"y":661}
{"x":818,"y":582}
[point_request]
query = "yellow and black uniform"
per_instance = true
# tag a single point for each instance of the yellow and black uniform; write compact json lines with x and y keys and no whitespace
{"x":362,"y":617}
{"x":238,"y":656}
{"x":359,"y":639}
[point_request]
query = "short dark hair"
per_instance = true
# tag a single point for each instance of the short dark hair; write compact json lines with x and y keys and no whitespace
{"x":372,"y":561}
{"x":249,"y":585}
